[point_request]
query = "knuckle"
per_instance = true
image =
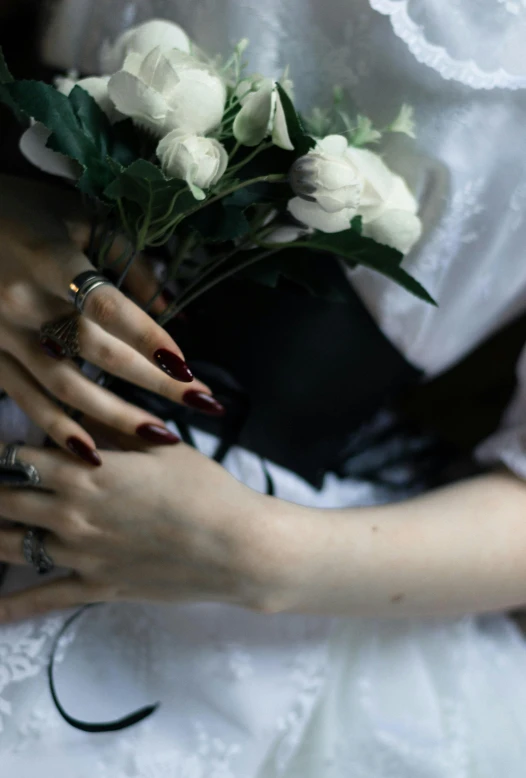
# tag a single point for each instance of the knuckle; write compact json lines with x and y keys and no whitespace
{"x":62,"y":389}
{"x":147,"y":340}
{"x":110,"y":358}
{"x":102,"y":306}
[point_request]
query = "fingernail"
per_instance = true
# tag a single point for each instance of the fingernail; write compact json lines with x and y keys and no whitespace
{"x":204,"y":402}
{"x":173,"y":365}
{"x":52,"y":348}
{"x":80,"y":449}
{"x":154,"y":433}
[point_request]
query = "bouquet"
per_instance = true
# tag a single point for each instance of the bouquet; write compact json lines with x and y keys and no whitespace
{"x":173,"y":149}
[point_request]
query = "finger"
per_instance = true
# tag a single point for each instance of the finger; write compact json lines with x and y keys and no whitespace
{"x":50,"y":465}
{"x":66,"y":382}
{"x":115,"y":357}
{"x":56,"y":595}
{"x":30,"y":397}
{"x":110,"y":309}
{"x":12,"y":548}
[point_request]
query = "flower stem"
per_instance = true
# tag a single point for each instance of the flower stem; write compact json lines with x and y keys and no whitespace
{"x":250,"y":157}
{"x":186,"y":298}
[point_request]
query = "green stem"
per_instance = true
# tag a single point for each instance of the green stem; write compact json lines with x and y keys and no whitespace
{"x":250,"y":157}
{"x":129,"y":263}
{"x":186,"y":299}
{"x":234,"y":151}
{"x":274,"y":178}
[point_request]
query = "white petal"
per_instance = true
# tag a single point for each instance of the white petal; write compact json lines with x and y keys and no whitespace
{"x":379,"y":180}
{"x":333,"y":144}
{"x":133,"y":98}
{"x":401,"y":197}
{"x":280,"y":132}
{"x":399,"y":229}
{"x":251,"y":123}
{"x":33,"y":147}
{"x":313,"y":216}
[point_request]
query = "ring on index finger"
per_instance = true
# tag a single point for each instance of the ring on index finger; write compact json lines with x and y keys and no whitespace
{"x":83,"y":285}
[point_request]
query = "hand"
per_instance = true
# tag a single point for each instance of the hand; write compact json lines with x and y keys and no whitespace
{"x":162,"y":524}
{"x":42,"y":237}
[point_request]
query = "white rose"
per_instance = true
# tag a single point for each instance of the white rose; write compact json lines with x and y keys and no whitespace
{"x":262,"y":114}
{"x":199,"y":161}
{"x":157,"y":33}
{"x":336,"y":182}
{"x":97,"y":87}
{"x":169,"y":91}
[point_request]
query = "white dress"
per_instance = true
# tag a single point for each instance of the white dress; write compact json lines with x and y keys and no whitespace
{"x":250,"y":696}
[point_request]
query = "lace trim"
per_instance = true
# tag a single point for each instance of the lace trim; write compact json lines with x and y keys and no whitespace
{"x":465,"y":71}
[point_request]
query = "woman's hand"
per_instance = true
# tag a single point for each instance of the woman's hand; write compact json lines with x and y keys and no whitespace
{"x":42,"y":237}
{"x":162,"y":524}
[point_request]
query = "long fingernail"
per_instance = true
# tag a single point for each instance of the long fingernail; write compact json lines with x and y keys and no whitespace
{"x":52,"y":348}
{"x":204,"y":402}
{"x":80,"y":449}
{"x":173,"y":365}
{"x":154,"y":433}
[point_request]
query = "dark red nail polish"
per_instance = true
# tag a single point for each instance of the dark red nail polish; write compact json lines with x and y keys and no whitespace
{"x":154,"y":433}
{"x":204,"y":402}
{"x":80,"y":449}
{"x":52,"y":348}
{"x":173,"y":365}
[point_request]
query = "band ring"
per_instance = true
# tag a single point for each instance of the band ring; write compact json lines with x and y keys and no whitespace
{"x":60,"y":338}
{"x":14,"y":473}
{"x":34,"y":551}
{"x":83,"y":285}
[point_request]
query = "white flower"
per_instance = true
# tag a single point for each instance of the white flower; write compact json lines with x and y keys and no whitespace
{"x":169,"y":91}
{"x":336,"y":182}
{"x":262,"y":113}
{"x":199,"y":161}
{"x":157,"y":33}
{"x":286,"y":233}
{"x":97,"y":87}
{"x":33,"y":147}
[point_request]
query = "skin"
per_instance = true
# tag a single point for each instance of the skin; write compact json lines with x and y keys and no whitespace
{"x":42,"y":239}
{"x":143,"y":527}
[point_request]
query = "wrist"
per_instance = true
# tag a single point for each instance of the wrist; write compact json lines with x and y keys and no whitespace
{"x":284,"y":551}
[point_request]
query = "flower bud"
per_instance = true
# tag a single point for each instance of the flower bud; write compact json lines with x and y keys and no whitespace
{"x":201,"y":162}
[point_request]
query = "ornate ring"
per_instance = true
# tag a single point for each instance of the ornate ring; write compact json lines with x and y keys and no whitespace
{"x":34,"y":551}
{"x":16,"y":474}
{"x":83,"y":285}
{"x":60,"y":338}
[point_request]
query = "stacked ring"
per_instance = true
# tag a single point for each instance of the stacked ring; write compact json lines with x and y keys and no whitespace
{"x":83,"y":285}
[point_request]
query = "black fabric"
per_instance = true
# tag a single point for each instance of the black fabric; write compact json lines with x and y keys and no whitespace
{"x":297,"y":374}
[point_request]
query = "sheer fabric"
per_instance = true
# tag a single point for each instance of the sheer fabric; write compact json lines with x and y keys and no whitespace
{"x":247,"y":696}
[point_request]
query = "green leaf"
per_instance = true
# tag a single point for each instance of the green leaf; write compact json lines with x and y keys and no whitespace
{"x":5,"y":75}
{"x":219,"y":222}
{"x":303,"y":270}
{"x":92,"y":119}
{"x":357,"y":224}
{"x":5,"y":97}
{"x":301,"y":141}
{"x":357,"y":250}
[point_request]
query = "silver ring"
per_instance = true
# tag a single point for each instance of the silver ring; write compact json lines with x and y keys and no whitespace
{"x":14,"y":473}
{"x":34,"y":551}
{"x":83,"y":285}
{"x":60,"y":338}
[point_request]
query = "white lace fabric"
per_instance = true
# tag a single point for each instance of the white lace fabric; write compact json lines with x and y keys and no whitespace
{"x":247,"y":696}
{"x":477,"y":42}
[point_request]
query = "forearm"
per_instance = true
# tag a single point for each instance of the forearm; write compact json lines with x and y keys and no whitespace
{"x":458,"y":550}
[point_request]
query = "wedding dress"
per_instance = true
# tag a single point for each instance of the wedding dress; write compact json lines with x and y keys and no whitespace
{"x":250,"y":696}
